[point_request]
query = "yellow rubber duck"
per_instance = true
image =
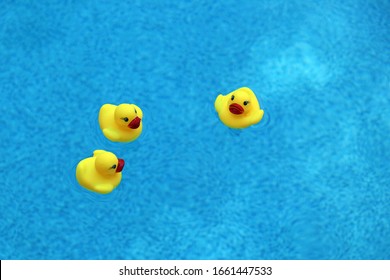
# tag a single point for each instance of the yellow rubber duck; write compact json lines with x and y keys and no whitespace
{"x":239,"y":109}
{"x":100,"y":173}
{"x":121,"y":123}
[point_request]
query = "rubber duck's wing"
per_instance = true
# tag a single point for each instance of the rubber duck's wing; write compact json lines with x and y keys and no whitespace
{"x":218,"y":103}
{"x":104,"y":188}
{"x":257,"y":116}
{"x":111,"y":134}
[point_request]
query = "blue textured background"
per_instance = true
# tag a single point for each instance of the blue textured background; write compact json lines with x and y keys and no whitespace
{"x":312,"y":181}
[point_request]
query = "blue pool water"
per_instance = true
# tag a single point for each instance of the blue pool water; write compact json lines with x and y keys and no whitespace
{"x":311,"y":181}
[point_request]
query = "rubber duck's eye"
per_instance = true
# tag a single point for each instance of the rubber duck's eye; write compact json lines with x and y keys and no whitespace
{"x":246,"y":103}
{"x":232,"y":98}
{"x":135,"y":110}
{"x":126,"y":119}
{"x":113,"y":167}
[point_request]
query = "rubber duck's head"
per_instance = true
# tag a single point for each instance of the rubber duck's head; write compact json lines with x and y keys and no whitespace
{"x":241,"y":101}
{"x":128,"y":115}
{"x":108,"y":164}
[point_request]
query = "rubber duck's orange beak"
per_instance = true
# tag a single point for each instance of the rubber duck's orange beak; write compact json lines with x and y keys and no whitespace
{"x":121,"y":164}
{"x":236,"y":109}
{"x":134,"y":124}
